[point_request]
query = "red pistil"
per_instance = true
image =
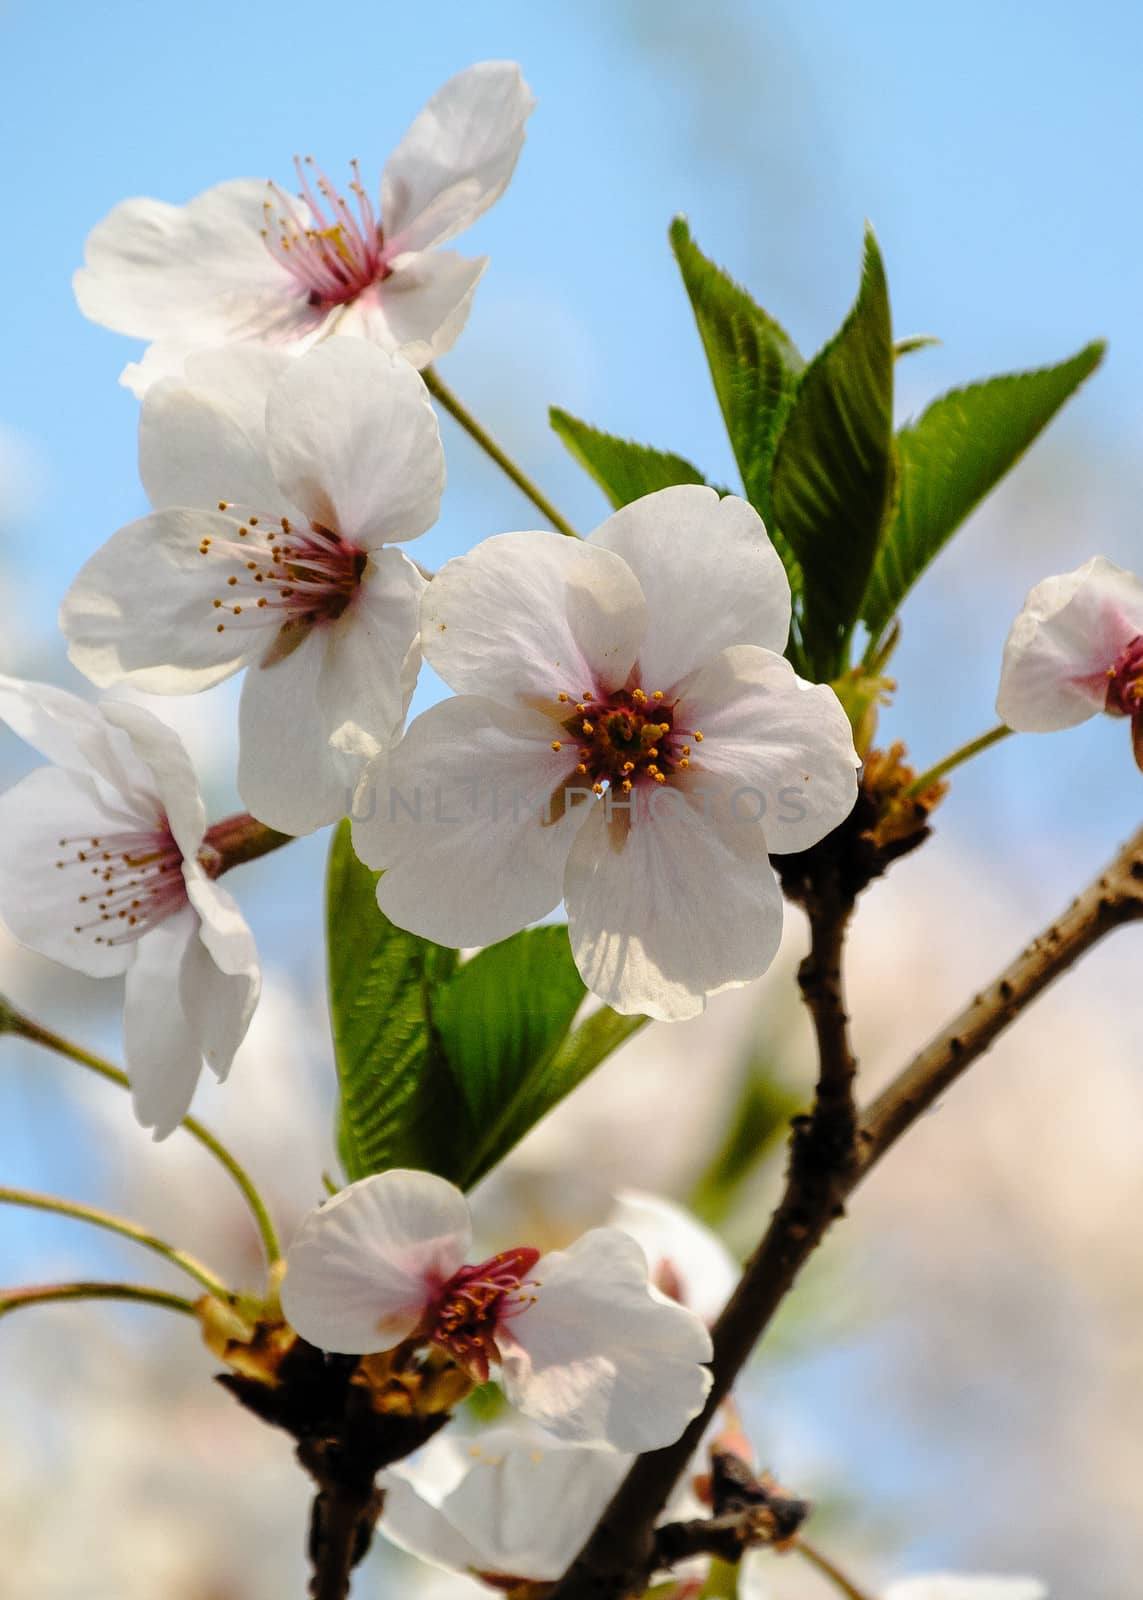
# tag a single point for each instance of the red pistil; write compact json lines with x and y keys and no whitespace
{"x":475,"y":1301}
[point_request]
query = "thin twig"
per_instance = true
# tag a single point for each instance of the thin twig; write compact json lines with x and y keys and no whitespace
{"x":25,"y":1028}
{"x":487,"y":443}
{"x":611,"y":1563}
{"x":958,"y":757}
{"x":121,"y":1225}
{"x":43,"y":1293}
{"x":830,"y":1570}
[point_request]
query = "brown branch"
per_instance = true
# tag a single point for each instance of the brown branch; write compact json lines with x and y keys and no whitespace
{"x":616,"y":1556}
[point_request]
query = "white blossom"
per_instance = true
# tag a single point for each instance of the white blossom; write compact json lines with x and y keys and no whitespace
{"x":686,"y":1261}
{"x":508,"y":1503}
{"x":952,"y":1586}
{"x":1076,"y":649}
{"x":244,"y":262}
{"x":280,"y":488}
{"x":100,"y":869}
{"x":585,"y":1346}
{"x":640,"y":668}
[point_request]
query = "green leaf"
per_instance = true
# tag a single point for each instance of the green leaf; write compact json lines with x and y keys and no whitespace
{"x":952,"y":456}
{"x":623,"y":470}
{"x":398,"y":1103}
{"x":833,"y":470}
{"x":503,"y":1012}
{"x":597,"y":1036}
{"x":754,"y":364}
{"x":505,"y":1020}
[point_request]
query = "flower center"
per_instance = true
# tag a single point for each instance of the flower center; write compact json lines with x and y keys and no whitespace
{"x":288,"y":576}
{"x":125,"y":883}
{"x":626,"y":736}
{"x":1125,"y":680}
{"x":330,"y":251}
{"x":474,"y":1302}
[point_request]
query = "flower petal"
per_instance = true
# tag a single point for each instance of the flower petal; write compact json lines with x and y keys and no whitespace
{"x":202,"y":437}
{"x":154,"y":269}
{"x":172,"y":777}
{"x":672,"y":902}
{"x":784,"y":747}
{"x":39,"y":902}
{"x":600,"y":1357}
{"x":685,"y":1260}
{"x":160,"y":1044}
{"x":520,"y":1506}
{"x":374,"y":654}
{"x":420,"y":310}
{"x":289,"y":774}
{"x":221,"y":980}
{"x":75,"y":734}
{"x":526,"y":617}
{"x":365,"y":1264}
{"x":354,"y":441}
{"x":457,"y":157}
{"x":1071,"y":630}
{"x":455,"y":816}
{"x":141,"y":609}
{"x":710,"y":575}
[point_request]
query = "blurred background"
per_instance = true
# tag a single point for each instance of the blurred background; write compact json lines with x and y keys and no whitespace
{"x":959,"y":1380}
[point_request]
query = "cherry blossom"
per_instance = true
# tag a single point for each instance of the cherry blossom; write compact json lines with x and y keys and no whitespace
{"x":508,"y":1503}
{"x":1076,"y":649}
{"x":625,"y":735}
{"x":106,"y":867}
{"x":245,"y":262}
{"x":279,"y":489}
{"x":686,"y":1261}
{"x":584,"y":1345}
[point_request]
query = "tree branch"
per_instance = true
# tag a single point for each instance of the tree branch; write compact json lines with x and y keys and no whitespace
{"x":615,"y":1559}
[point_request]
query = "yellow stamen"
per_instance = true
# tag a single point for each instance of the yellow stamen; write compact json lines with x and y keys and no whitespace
{"x":556,"y":745}
{"x":658,"y":694}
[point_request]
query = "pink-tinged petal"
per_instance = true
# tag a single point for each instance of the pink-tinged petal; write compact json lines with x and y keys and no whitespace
{"x":783,"y":745}
{"x":291,"y":325}
{"x":954,"y":1586}
{"x":420,"y":309}
{"x":75,"y":734}
{"x":526,"y":617}
{"x":710,"y":575}
{"x":141,"y":610}
{"x":456,"y":815}
{"x":373,"y":657}
{"x":1063,"y":643}
{"x":600,"y":1357}
{"x":202,"y":436}
{"x":289,"y":774}
{"x":685,"y":1260}
{"x":673,"y":901}
{"x":457,"y":157}
{"x":39,"y":901}
{"x":172,"y":777}
{"x":154,"y":269}
{"x":221,"y":980}
{"x":354,"y":441}
{"x":365,"y":1264}
{"x":160,"y":1044}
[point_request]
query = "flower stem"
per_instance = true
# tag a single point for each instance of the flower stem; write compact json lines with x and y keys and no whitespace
{"x":965,"y":753}
{"x":236,"y":840}
{"x":43,"y":1293}
{"x":827,"y":1569}
{"x":12,"y":1021}
{"x":468,"y":422}
{"x":114,"y":1224}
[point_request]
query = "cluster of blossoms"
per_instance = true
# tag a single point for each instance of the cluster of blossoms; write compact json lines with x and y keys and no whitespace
{"x":624,"y":736}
